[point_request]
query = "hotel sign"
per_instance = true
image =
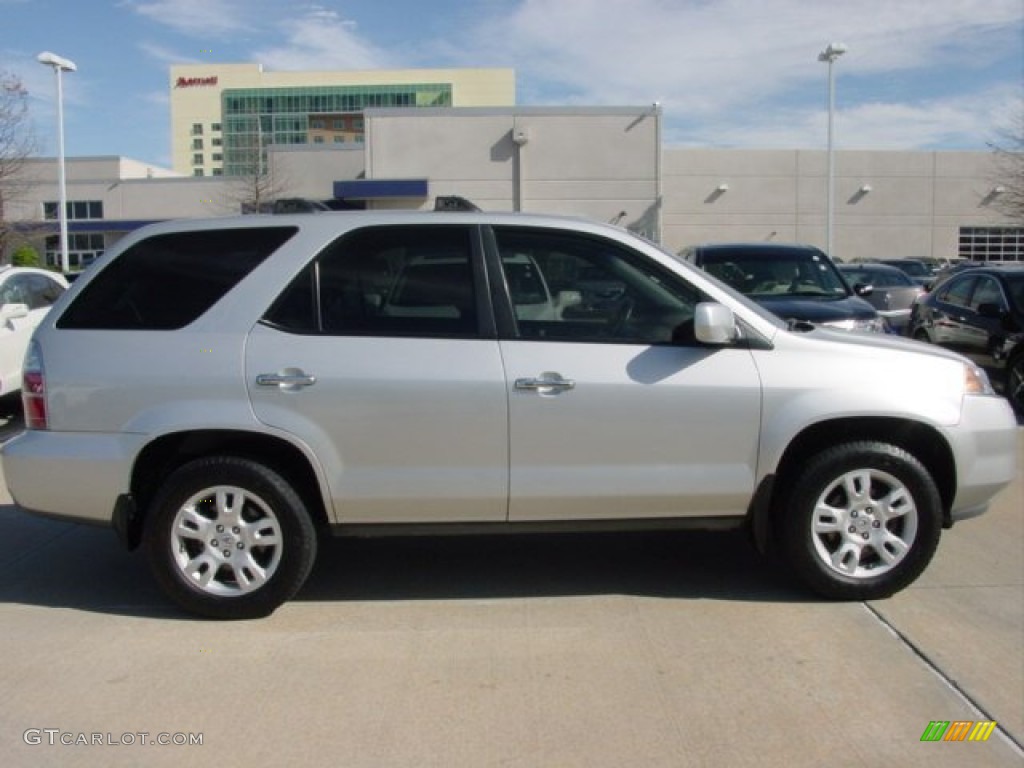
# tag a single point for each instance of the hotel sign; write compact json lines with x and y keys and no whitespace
{"x":192,"y":82}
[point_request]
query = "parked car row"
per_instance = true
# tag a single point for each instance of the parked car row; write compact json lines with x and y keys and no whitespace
{"x":972,"y":308}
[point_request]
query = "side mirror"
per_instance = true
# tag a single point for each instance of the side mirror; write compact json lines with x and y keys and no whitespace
{"x":714,"y":324}
{"x":13,"y":311}
{"x":863,"y":290}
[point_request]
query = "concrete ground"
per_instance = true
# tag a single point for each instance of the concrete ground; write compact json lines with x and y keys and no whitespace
{"x":600,"y":650}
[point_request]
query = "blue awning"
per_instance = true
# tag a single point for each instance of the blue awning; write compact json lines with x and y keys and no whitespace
{"x":369,"y":189}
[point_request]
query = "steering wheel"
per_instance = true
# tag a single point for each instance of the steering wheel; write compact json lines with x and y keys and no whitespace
{"x":620,"y":318}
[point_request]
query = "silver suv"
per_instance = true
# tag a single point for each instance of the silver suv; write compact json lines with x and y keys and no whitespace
{"x":221,"y":391}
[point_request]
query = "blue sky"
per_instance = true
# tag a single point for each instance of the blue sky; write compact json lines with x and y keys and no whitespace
{"x":919,"y":74}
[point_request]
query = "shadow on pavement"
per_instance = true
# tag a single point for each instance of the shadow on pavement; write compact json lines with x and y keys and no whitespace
{"x":57,"y":564}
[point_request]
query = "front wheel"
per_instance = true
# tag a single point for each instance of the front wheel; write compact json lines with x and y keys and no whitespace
{"x":861,"y":522}
{"x":229,"y":538}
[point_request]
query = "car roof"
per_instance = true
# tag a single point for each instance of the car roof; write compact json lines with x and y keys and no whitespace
{"x":877,"y":265}
{"x":757,"y":247}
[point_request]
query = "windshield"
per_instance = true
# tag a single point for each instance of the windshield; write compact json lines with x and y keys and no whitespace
{"x":777,"y":273}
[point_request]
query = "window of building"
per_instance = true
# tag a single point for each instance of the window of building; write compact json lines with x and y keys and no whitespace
{"x":197,"y":143}
{"x":339,"y":139}
{"x":75,"y":210}
{"x":317,"y":125}
{"x":83,"y":250}
{"x":215,"y":127}
{"x":217,"y":142}
{"x":992,"y":243}
{"x":218,"y":172}
{"x":197,"y":171}
{"x":217,"y":157}
{"x":318,"y":139}
{"x":339,"y":125}
{"x":197,"y":159}
{"x":197,"y":129}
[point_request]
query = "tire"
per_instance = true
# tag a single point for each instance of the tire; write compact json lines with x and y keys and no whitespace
{"x":922,"y":335}
{"x":861,"y":522}
{"x":228,"y":538}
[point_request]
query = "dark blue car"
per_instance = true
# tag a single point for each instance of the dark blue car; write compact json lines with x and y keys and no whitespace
{"x":795,"y":282}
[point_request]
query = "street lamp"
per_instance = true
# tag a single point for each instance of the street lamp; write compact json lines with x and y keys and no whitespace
{"x":59,"y":65}
{"x":830,"y":54}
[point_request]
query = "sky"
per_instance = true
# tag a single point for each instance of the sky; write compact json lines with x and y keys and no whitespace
{"x":918,"y":74}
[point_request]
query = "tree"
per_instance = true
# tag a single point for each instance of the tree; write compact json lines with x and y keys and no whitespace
{"x":25,"y":256}
{"x":17,"y":143}
{"x":1007,"y":196}
{"x":254,"y":183}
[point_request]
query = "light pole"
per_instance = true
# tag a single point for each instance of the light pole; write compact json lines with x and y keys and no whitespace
{"x":59,"y":65}
{"x":830,"y":54}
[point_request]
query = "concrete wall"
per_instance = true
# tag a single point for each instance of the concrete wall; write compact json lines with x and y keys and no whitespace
{"x":915,"y":207}
{"x":598,"y":163}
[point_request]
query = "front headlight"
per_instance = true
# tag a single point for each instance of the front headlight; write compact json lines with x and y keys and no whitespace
{"x":976,"y":381}
{"x":871,"y":325}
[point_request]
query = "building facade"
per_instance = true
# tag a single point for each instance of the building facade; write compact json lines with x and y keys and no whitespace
{"x":224,"y":117}
{"x":601,"y":163}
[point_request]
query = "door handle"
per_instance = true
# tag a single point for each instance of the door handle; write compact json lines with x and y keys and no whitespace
{"x":290,"y":379}
{"x":547,"y":383}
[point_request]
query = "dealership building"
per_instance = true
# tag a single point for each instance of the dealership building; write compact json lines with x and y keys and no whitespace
{"x":402,"y":139}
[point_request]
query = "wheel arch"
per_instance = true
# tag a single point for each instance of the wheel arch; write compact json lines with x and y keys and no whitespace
{"x":168,"y":452}
{"x":921,"y":440}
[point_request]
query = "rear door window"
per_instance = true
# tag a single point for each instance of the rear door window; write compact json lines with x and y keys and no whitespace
{"x":167,"y":281}
{"x":387,"y":281}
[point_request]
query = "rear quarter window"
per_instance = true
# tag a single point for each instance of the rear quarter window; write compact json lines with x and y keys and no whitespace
{"x":167,"y":281}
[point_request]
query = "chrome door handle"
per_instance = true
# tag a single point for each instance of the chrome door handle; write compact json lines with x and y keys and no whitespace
{"x":546,"y":383}
{"x":290,"y":379}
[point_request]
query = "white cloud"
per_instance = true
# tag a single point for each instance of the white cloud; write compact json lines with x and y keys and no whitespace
{"x":167,"y":56}
{"x":716,"y":60}
{"x":321,"y":39}
{"x":955,"y":121}
{"x":198,"y":18}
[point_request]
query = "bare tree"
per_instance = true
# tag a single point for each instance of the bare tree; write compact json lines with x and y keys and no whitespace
{"x":1007,"y":196}
{"x":17,"y":143}
{"x":253,"y":184}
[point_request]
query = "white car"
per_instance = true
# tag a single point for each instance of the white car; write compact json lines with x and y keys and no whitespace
{"x":26,"y":295}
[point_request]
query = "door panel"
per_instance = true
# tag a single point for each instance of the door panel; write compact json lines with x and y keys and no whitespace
{"x":406,"y":430}
{"x":646,"y":431}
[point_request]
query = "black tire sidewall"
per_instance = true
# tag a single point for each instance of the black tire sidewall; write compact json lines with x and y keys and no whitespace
{"x":797,"y":515}
{"x":297,"y":532}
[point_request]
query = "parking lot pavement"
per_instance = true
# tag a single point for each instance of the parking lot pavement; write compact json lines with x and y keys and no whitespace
{"x":612,"y":650}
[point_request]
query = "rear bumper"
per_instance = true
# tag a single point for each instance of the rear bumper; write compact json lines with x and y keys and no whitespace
{"x":70,"y":475}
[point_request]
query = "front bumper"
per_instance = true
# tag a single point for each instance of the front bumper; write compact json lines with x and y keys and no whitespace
{"x":985,"y":445}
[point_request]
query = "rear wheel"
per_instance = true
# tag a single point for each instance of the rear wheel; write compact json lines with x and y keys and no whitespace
{"x":229,"y":538}
{"x":862,"y":521}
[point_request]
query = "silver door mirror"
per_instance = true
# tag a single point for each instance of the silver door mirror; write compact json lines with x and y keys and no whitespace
{"x":715,"y":324}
